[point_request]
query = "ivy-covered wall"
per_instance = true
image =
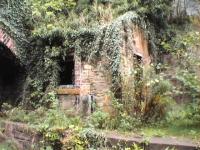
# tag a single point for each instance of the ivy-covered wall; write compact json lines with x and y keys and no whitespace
{"x":14,"y":37}
{"x":91,"y":45}
{"x":107,"y":42}
{"x":42,"y":53}
{"x":14,"y":20}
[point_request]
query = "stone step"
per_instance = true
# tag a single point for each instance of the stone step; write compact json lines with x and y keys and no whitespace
{"x":154,"y":143}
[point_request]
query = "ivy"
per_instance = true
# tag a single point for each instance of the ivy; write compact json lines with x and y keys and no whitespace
{"x":14,"y":19}
{"x":55,"y":33}
{"x":104,"y":43}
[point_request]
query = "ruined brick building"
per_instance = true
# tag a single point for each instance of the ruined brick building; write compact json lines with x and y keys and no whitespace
{"x":93,"y":79}
{"x":79,"y":79}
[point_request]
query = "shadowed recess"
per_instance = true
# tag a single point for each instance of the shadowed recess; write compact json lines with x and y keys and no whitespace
{"x":12,"y":75}
{"x":67,"y":72}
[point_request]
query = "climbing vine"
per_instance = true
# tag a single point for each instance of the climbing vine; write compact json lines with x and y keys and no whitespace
{"x":92,"y":45}
{"x":14,"y":19}
{"x":105,"y":43}
{"x":50,"y":44}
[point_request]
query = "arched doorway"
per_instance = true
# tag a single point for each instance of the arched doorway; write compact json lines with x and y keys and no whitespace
{"x":12,"y":76}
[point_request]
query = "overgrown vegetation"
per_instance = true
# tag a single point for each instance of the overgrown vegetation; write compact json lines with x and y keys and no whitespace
{"x":151,"y":97}
{"x":59,"y":29}
{"x":14,"y":18}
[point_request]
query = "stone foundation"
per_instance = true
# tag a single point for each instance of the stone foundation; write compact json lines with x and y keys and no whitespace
{"x":22,"y":135}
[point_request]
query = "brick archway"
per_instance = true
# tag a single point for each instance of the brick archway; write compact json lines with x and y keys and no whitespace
{"x":7,"y":40}
{"x":12,"y":72}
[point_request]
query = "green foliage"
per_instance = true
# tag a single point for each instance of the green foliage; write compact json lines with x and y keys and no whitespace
{"x":64,"y":25}
{"x":8,"y":145}
{"x":182,"y":41}
{"x":194,"y":113}
{"x":48,"y":15}
{"x":58,"y":28}
{"x":149,"y":98}
{"x":128,"y":123}
{"x":51,"y":123}
{"x":137,"y":108}
{"x":65,"y":16}
{"x":15,"y":20}
{"x":134,"y":147}
{"x":85,"y":139}
{"x":158,"y":98}
{"x":122,"y":119}
{"x":184,"y":49}
{"x":42,"y":58}
{"x":54,"y":124}
{"x":156,"y":11}
{"x":190,"y":82}
{"x":99,"y":119}
{"x":184,"y":116}
{"x":90,"y":45}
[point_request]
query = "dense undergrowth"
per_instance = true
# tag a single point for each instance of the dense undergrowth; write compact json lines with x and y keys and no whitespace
{"x":86,"y":26}
{"x":166,"y":97}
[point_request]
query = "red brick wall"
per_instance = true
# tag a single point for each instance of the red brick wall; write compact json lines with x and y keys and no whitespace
{"x":92,"y":80}
{"x":134,"y":43}
{"x":7,"y":40}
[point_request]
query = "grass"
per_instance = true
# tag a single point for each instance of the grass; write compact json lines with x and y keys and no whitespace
{"x":172,"y":131}
{"x":55,"y":118}
{"x":7,"y":145}
{"x":180,"y":132}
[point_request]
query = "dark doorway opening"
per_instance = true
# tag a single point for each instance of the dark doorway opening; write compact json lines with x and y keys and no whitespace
{"x":67,"y":75}
{"x":12,"y":76}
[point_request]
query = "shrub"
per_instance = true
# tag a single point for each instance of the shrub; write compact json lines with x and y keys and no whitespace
{"x":194,"y":114}
{"x":119,"y":118}
{"x":148,"y":98}
{"x":184,"y":115}
{"x":128,"y":123}
{"x":158,"y":98}
{"x":99,"y":119}
{"x":85,"y":139}
{"x":9,"y":145}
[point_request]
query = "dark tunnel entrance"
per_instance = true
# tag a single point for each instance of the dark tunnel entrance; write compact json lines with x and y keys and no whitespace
{"x":12,"y":76}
